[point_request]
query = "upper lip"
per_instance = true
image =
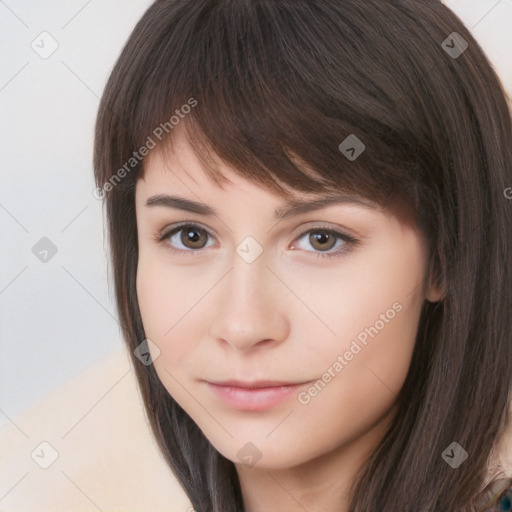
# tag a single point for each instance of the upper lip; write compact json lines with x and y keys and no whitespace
{"x":253,"y":384}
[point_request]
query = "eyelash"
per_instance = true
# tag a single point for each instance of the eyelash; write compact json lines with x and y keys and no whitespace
{"x":349,"y":241}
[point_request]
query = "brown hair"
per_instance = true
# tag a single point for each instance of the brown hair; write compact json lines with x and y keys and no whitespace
{"x":274,"y":87}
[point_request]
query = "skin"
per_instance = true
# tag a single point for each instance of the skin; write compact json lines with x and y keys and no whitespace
{"x":286,"y":316}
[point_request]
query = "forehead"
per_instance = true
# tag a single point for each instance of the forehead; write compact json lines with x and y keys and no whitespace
{"x":165,"y":186}
{"x":176,"y":167}
{"x":174,"y":177}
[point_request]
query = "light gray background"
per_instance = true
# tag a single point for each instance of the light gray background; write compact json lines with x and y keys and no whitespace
{"x":58,"y":317}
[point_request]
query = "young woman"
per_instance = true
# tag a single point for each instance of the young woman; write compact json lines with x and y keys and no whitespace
{"x":309,"y":218}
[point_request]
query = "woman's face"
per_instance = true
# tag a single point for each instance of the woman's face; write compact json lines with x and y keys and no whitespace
{"x":257,"y":301}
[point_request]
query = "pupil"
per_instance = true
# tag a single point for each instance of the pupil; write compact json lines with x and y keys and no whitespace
{"x":193,"y":235}
{"x":321,"y":236}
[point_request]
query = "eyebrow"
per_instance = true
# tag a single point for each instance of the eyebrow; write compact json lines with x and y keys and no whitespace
{"x":290,"y":209}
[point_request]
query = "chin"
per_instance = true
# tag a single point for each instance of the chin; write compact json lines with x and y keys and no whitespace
{"x":264,"y":454}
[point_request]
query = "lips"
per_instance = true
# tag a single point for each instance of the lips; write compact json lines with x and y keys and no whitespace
{"x":253,"y":395}
{"x":254,"y":384}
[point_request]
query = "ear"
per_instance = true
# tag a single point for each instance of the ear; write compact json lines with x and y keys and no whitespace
{"x":435,"y":293}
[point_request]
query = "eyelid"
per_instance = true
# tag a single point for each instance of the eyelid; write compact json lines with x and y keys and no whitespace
{"x":313,"y":225}
{"x":169,"y":228}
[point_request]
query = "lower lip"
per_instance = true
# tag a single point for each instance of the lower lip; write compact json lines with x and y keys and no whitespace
{"x":253,"y":399}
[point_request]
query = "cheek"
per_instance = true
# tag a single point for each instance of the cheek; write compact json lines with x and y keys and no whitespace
{"x":165,"y":300}
{"x":372,"y":307}
{"x":375,"y":317}
{"x":352,"y":396}
{"x":166,"y":303}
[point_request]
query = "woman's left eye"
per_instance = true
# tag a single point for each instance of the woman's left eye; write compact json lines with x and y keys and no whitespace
{"x":323,"y":238}
{"x":192,"y":239}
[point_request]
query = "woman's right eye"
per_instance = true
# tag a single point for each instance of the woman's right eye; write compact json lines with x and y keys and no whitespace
{"x":190,"y":234}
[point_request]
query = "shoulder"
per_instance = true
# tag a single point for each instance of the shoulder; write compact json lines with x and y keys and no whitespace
{"x":498,"y":492}
{"x":87,"y":446}
{"x":497,"y":496}
{"x":503,"y":449}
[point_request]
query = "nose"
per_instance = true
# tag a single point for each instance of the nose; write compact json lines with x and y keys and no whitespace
{"x":251,"y":307}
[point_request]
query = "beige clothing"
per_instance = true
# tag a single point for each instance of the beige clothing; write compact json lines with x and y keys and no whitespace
{"x":107,"y":458}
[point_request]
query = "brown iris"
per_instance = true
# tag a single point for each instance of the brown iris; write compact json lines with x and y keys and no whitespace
{"x":321,"y":237}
